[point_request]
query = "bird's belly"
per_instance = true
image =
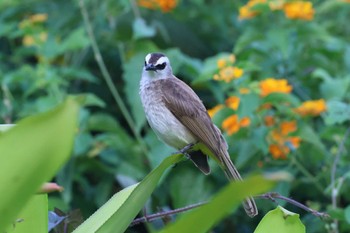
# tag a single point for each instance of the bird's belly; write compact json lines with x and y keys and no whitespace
{"x":167,"y":127}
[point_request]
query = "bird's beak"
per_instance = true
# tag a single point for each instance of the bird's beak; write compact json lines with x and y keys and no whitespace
{"x":150,"y":66}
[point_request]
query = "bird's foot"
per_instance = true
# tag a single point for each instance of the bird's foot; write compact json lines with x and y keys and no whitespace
{"x":186,"y":148}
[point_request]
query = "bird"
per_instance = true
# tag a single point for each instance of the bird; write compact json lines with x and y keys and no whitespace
{"x":179,"y":119}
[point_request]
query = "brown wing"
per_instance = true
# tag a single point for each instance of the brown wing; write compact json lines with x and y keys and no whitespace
{"x":186,"y":106}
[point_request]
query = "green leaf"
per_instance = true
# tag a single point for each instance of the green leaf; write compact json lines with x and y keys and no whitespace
{"x":141,"y":29}
{"x":205,"y":217}
{"x":40,"y":143}
{"x":131,"y":76}
{"x":281,"y":221}
{"x":89,"y":99}
{"x":76,"y":40}
{"x":33,"y":218}
{"x":117,"y":214}
{"x":337,"y":112}
{"x":347,"y":214}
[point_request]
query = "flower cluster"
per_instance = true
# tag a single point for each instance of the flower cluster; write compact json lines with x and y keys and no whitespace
{"x":228,"y":72}
{"x":272,"y":85}
{"x":281,"y":140}
{"x":311,"y":108}
{"x":293,"y":10}
{"x":299,"y":10}
{"x":163,"y":5}
{"x":233,"y":123}
{"x":34,"y":32}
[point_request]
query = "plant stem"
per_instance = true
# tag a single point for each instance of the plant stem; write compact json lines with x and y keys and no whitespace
{"x":107,"y":77}
{"x":336,"y":189}
{"x":303,"y":170}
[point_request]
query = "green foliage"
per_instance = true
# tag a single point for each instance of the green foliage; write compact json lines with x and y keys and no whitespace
{"x":33,"y":216}
{"x":46,"y":55}
{"x":37,"y":152}
{"x":221,"y":205}
{"x":117,"y":214}
{"x":281,"y":220}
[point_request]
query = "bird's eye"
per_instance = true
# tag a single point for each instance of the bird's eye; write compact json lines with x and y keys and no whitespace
{"x":161,"y":66}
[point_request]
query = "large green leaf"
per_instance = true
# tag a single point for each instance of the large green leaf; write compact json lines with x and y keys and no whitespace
{"x":33,"y":218}
{"x":117,"y":214}
{"x":281,"y":221}
{"x":31,"y":153}
{"x":205,"y":217}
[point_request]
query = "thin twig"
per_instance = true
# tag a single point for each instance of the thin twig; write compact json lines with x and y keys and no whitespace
{"x":268,"y":196}
{"x":334,"y":168}
{"x":335,"y":189}
{"x":272,"y":196}
{"x":163,"y":214}
{"x":107,"y":77}
{"x":303,"y":170}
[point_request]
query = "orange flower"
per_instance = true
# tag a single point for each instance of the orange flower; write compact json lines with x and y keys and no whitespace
{"x":232,"y":102}
{"x":295,"y":141}
{"x":279,"y":152}
{"x":312,"y":108}
{"x":281,"y":142}
{"x":269,"y":120}
{"x":214,"y":110}
{"x":164,"y":5}
{"x":272,"y":85}
{"x":299,"y":10}
{"x":244,"y":122}
{"x":288,"y":127}
{"x":231,"y":124}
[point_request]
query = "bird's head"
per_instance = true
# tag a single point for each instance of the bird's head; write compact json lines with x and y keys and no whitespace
{"x":157,"y":65}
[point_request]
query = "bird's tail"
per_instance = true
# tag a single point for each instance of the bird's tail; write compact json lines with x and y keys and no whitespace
{"x":232,"y":174}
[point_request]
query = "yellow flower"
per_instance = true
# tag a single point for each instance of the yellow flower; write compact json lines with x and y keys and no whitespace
{"x":299,"y":10}
{"x":164,"y":5}
{"x":244,"y":90}
{"x":229,"y":73}
{"x":244,"y":122}
{"x":35,"y":39}
{"x":214,"y":110}
{"x":232,"y":58}
{"x":232,"y":102}
{"x":312,"y":108}
{"x":38,"y":18}
{"x":272,"y":85}
{"x":276,"y":4}
{"x":246,"y":12}
{"x":221,"y":63}
{"x":231,"y":124}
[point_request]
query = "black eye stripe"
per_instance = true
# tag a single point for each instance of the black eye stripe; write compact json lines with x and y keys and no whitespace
{"x":161,"y":66}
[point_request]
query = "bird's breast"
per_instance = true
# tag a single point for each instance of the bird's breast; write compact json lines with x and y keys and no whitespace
{"x":167,"y":127}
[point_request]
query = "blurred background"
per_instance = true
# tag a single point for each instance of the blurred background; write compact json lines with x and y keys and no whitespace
{"x":274,"y":75}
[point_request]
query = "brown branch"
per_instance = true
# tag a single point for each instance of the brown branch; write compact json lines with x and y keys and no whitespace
{"x":268,"y":196}
{"x":152,"y":217}
{"x":273,"y":196}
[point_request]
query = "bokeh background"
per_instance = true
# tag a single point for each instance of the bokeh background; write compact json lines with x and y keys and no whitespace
{"x":274,"y":74}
